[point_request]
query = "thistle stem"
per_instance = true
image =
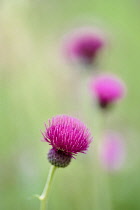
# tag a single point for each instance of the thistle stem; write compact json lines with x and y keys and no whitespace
{"x":101,"y":177}
{"x":43,"y":197}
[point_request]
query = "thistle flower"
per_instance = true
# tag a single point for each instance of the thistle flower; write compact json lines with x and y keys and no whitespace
{"x":83,"y":45}
{"x":67,"y":136}
{"x":107,"y":89}
{"x":112,"y":152}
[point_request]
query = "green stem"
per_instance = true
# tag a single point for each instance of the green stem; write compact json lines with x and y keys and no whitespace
{"x":43,"y":197}
{"x":102,"y":195}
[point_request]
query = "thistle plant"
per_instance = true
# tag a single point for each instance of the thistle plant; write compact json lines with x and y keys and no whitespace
{"x":107,"y":89}
{"x":68,"y":136}
{"x":84,"y":45}
{"x":112,"y":151}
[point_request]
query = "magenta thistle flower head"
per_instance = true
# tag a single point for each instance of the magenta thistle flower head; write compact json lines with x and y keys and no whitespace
{"x":112,"y":152}
{"x":107,"y":89}
{"x":83,"y":45}
{"x":67,"y":136}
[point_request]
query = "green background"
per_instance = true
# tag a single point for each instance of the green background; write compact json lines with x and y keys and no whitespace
{"x":37,"y":83}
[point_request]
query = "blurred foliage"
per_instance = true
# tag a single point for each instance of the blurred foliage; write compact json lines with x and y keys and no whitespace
{"x":36,"y":84}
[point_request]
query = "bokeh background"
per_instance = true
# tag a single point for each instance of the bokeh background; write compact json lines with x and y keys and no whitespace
{"x":37,"y":83}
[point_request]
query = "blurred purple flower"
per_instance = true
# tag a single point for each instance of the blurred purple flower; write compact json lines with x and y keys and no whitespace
{"x":67,"y":136}
{"x":108,"y":89}
{"x":83,"y":45}
{"x":112,"y":152}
